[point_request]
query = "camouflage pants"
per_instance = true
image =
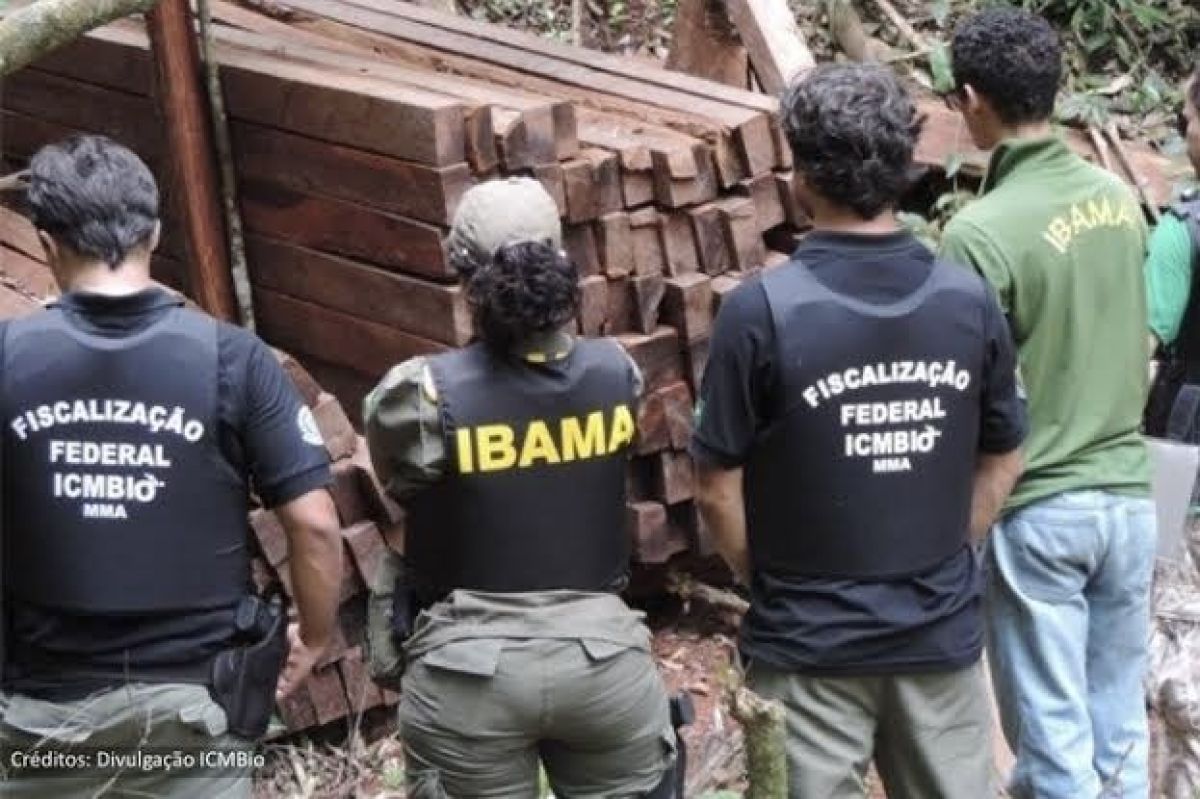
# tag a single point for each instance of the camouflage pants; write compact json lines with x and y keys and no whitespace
{"x":139,"y":722}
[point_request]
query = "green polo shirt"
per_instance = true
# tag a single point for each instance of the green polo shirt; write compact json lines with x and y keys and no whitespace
{"x":1169,"y":277}
{"x":1063,"y":244}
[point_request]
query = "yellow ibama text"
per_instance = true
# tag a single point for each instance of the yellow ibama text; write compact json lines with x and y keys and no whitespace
{"x":496,"y":447}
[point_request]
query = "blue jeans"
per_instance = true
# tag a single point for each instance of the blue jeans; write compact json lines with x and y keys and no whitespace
{"x":1068,"y":621}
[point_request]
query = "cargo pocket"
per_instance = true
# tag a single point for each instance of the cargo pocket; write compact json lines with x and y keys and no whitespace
{"x":448,"y":688}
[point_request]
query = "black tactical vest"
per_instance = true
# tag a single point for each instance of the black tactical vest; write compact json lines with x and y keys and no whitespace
{"x":867,"y":471}
{"x":117,"y":497}
{"x":534,"y":495}
{"x":1180,"y":362}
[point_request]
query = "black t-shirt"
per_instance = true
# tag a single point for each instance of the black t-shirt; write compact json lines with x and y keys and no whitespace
{"x":259,"y":414}
{"x":929,"y":621}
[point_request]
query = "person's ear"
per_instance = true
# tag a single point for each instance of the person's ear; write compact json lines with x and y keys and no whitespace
{"x":156,"y":236}
{"x":53,"y":252}
{"x":972,"y":102}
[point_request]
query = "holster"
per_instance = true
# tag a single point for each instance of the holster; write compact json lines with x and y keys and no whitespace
{"x":244,"y":677}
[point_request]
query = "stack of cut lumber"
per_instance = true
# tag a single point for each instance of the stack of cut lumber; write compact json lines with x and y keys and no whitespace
{"x":357,"y":126}
{"x":370,"y":522}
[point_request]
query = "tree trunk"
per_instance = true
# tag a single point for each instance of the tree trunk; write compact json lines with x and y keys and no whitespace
{"x":30,"y":32}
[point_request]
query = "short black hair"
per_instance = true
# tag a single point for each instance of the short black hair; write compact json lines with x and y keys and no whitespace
{"x":94,"y":196}
{"x":1013,"y":58}
{"x":852,"y":129}
{"x":524,"y":289}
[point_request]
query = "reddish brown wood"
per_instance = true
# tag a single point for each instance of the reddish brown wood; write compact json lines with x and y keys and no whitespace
{"x":711,"y":244}
{"x":763,"y":191}
{"x":272,"y":540}
{"x":648,"y":255}
{"x":32,"y":276}
{"x":688,"y":305}
{"x":622,"y":309}
{"x":695,"y":359}
{"x":362,"y":693}
{"x":793,"y":214}
{"x":345,"y":228}
{"x":305,"y":328}
{"x":676,"y":400}
{"x":367,"y":549}
{"x":19,"y":234}
{"x":606,"y":175}
{"x":742,"y":233}
{"x":347,"y":494}
{"x":653,"y":435}
{"x":428,"y":194}
{"x":309,"y":390}
{"x":653,"y":539}
{"x":674,"y":476}
{"x":189,"y":132}
{"x":648,"y":293}
{"x":297,"y":710}
{"x":657,"y":355}
{"x":581,"y":190}
{"x":704,"y":43}
{"x":582,"y":248}
{"x":721,"y":287}
{"x":676,"y":192}
{"x":384,"y":510}
{"x":347,"y":384}
{"x":593,"y":305}
{"x":679,"y":244}
{"x":551,"y":178}
{"x":614,"y":240}
{"x":328,"y":695}
{"x":429,"y":310}
{"x":637,"y":187}
{"x":339,"y":435}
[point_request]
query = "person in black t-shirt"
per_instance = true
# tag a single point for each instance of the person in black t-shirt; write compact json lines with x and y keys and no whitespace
{"x":133,"y":432}
{"x":858,"y":427}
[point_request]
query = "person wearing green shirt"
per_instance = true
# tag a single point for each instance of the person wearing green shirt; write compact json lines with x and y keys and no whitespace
{"x":1069,"y":563}
{"x":1174,"y":312}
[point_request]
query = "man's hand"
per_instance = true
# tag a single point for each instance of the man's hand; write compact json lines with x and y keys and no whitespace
{"x":995,"y":477}
{"x":300,"y":661}
{"x":719,"y":496}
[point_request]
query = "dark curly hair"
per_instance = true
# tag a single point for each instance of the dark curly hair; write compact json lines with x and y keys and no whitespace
{"x":93,"y":195}
{"x":525,"y":288}
{"x":852,"y":129}
{"x":1013,"y":58}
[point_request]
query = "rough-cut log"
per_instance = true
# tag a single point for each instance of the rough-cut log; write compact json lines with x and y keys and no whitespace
{"x":648,"y":255}
{"x":742,"y":236}
{"x":773,"y":40}
{"x":192,"y":151}
{"x":31,"y":32}
{"x":654,"y":540}
{"x":704,"y":43}
{"x":583,"y":249}
{"x":606,"y":174}
{"x":579,"y":186}
{"x":679,"y":244}
{"x":657,"y":355}
{"x":653,"y":435}
{"x":674,"y":477}
{"x":622,"y":310}
{"x":593,"y":305}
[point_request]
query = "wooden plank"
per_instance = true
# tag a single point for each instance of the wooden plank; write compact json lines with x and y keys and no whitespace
{"x":652,"y":435}
{"x":712,"y":246}
{"x":347,"y":384}
{"x":593,"y":305}
{"x":127,"y":118}
{"x":649,"y":257}
{"x":308,"y":388}
{"x":676,"y":400}
{"x":606,"y":175}
{"x":614,"y":239}
{"x":637,"y":188}
{"x":305,"y":328}
{"x":428,"y":310}
{"x":763,"y":191}
{"x":705,"y":44}
{"x":328,"y":695}
{"x":582,"y":248}
{"x":29,"y":276}
{"x":657,"y":355}
{"x":674,"y":476}
{"x":671,"y":192}
{"x":695,"y":360}
{"x":361,"y":693}
{"x":550,"y":122}
{"x":424,"y":193}
{"x":18,"y":233}
{"x":739,"y":223}
{"x":580,"y":190}
{"x":773,"y":40}
{"x":648,"y":291}
{"x":634,"y":140}
{"x":793,"y":214}
{"x":679,"y":244}
{"x":366,"y":548}
{"x":743,"y":134}
{"x":336,"y":431}
{"x":189,"y":137}
{"x":654,"y":542}
{"x":688,"y":305}
{"x":722,"y":286}
{"x":551,"y":178}
{"x":345,"y":228}
{"x":622,"y":311}
{"x":270,"y":536}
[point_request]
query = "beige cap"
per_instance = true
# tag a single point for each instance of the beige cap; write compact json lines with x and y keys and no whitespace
{"x":501,"y":212}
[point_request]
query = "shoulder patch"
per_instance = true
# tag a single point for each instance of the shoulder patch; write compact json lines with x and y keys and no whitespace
{"x":307,"y":423}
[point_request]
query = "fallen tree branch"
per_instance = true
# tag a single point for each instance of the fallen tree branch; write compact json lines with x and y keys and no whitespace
{"x":847,"y":29}
{"x":763,"y":724}
{"x":688,"y":588}
{"x":31,"y":32}
{"x":911,"y":35}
